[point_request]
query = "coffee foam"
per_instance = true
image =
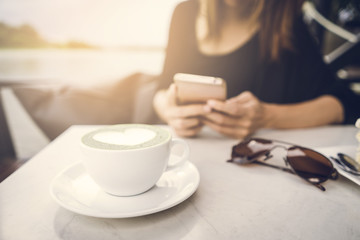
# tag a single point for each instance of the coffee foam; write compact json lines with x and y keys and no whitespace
{"x":126,"y":137}
{"x":129,"y":137}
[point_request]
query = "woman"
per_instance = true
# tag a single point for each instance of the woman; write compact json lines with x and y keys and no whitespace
{"x":275,"y":74}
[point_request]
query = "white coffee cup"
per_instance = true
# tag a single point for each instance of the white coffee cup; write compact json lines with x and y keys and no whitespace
{"x":128,"y":159}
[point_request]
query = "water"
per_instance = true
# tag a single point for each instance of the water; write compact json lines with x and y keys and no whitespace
{"x":69,"y":67}
{"x":76,"y":67}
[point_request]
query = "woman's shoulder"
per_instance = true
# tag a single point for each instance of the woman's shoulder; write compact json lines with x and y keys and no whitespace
{"x":185,"y":8}
{"x":186,"y":5}
{"x":183,"y":19}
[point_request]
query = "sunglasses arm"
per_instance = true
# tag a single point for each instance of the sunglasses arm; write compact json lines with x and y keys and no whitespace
{"x":319,"y":186}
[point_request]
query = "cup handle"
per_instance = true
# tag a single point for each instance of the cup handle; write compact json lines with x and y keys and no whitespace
{"x":181,"y":159}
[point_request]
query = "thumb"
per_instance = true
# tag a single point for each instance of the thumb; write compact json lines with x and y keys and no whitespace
{"x":171,"y":94}
{"x":241,"y":98}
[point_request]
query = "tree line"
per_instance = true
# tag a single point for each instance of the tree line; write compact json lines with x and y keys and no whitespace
{"x":25,"y":36}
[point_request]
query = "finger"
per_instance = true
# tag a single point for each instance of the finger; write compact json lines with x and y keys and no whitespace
{"x":171,"y":94}
{"x":190,"y":132}
{"x":232,"y":132}
{"x":186,"y":111}
{"x":230,"y":108}
{"x":241,"y":98}
{"x":237,"y":106}
{"x":185,"y":123}
{"x":229,"y":121}
{"x":221,"y":119}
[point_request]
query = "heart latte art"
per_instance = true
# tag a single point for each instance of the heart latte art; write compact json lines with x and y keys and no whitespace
{"x":126,"y":136}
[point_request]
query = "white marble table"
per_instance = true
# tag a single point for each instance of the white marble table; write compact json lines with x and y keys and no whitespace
{"x":232,"y":202}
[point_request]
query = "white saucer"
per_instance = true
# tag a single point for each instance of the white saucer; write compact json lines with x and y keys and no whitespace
{"x":74,"y":190}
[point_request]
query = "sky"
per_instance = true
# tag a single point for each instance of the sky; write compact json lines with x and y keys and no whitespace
{"x":107,"y":23}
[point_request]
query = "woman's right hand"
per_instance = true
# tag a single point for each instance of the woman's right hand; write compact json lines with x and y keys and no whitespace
{"x":185,"y":119}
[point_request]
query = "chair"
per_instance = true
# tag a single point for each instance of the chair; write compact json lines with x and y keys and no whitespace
{"x":6,"y":146}
{"x":8,"y":158}
{"x":55,"y":108}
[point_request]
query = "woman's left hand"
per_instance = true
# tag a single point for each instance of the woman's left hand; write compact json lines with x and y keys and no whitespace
{"x":237,"y":117}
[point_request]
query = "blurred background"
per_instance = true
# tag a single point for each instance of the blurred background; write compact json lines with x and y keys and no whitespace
{"x":335,"y":24}
{"x":82,"y":43}
{"x":77,"y":43}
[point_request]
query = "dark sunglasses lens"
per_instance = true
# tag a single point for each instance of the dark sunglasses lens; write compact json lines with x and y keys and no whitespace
{"x":251,"y":148}
{"x":309,"y":164}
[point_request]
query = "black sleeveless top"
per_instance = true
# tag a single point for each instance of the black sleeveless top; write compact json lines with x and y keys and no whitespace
{"x":297,"y":76}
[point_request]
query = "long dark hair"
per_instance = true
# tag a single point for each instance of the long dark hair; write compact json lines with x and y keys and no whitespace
{"x":275,"y":18}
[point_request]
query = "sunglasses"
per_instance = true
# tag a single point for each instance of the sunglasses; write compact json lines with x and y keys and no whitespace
{"x":347,"y":163}
{"x":308,"y":164}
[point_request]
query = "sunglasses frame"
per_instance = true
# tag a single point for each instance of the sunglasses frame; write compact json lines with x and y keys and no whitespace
{"x":254,"y":158}
{"x":345,"y":165}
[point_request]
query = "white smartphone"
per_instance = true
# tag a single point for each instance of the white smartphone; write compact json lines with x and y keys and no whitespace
{"x":193,"y":88}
